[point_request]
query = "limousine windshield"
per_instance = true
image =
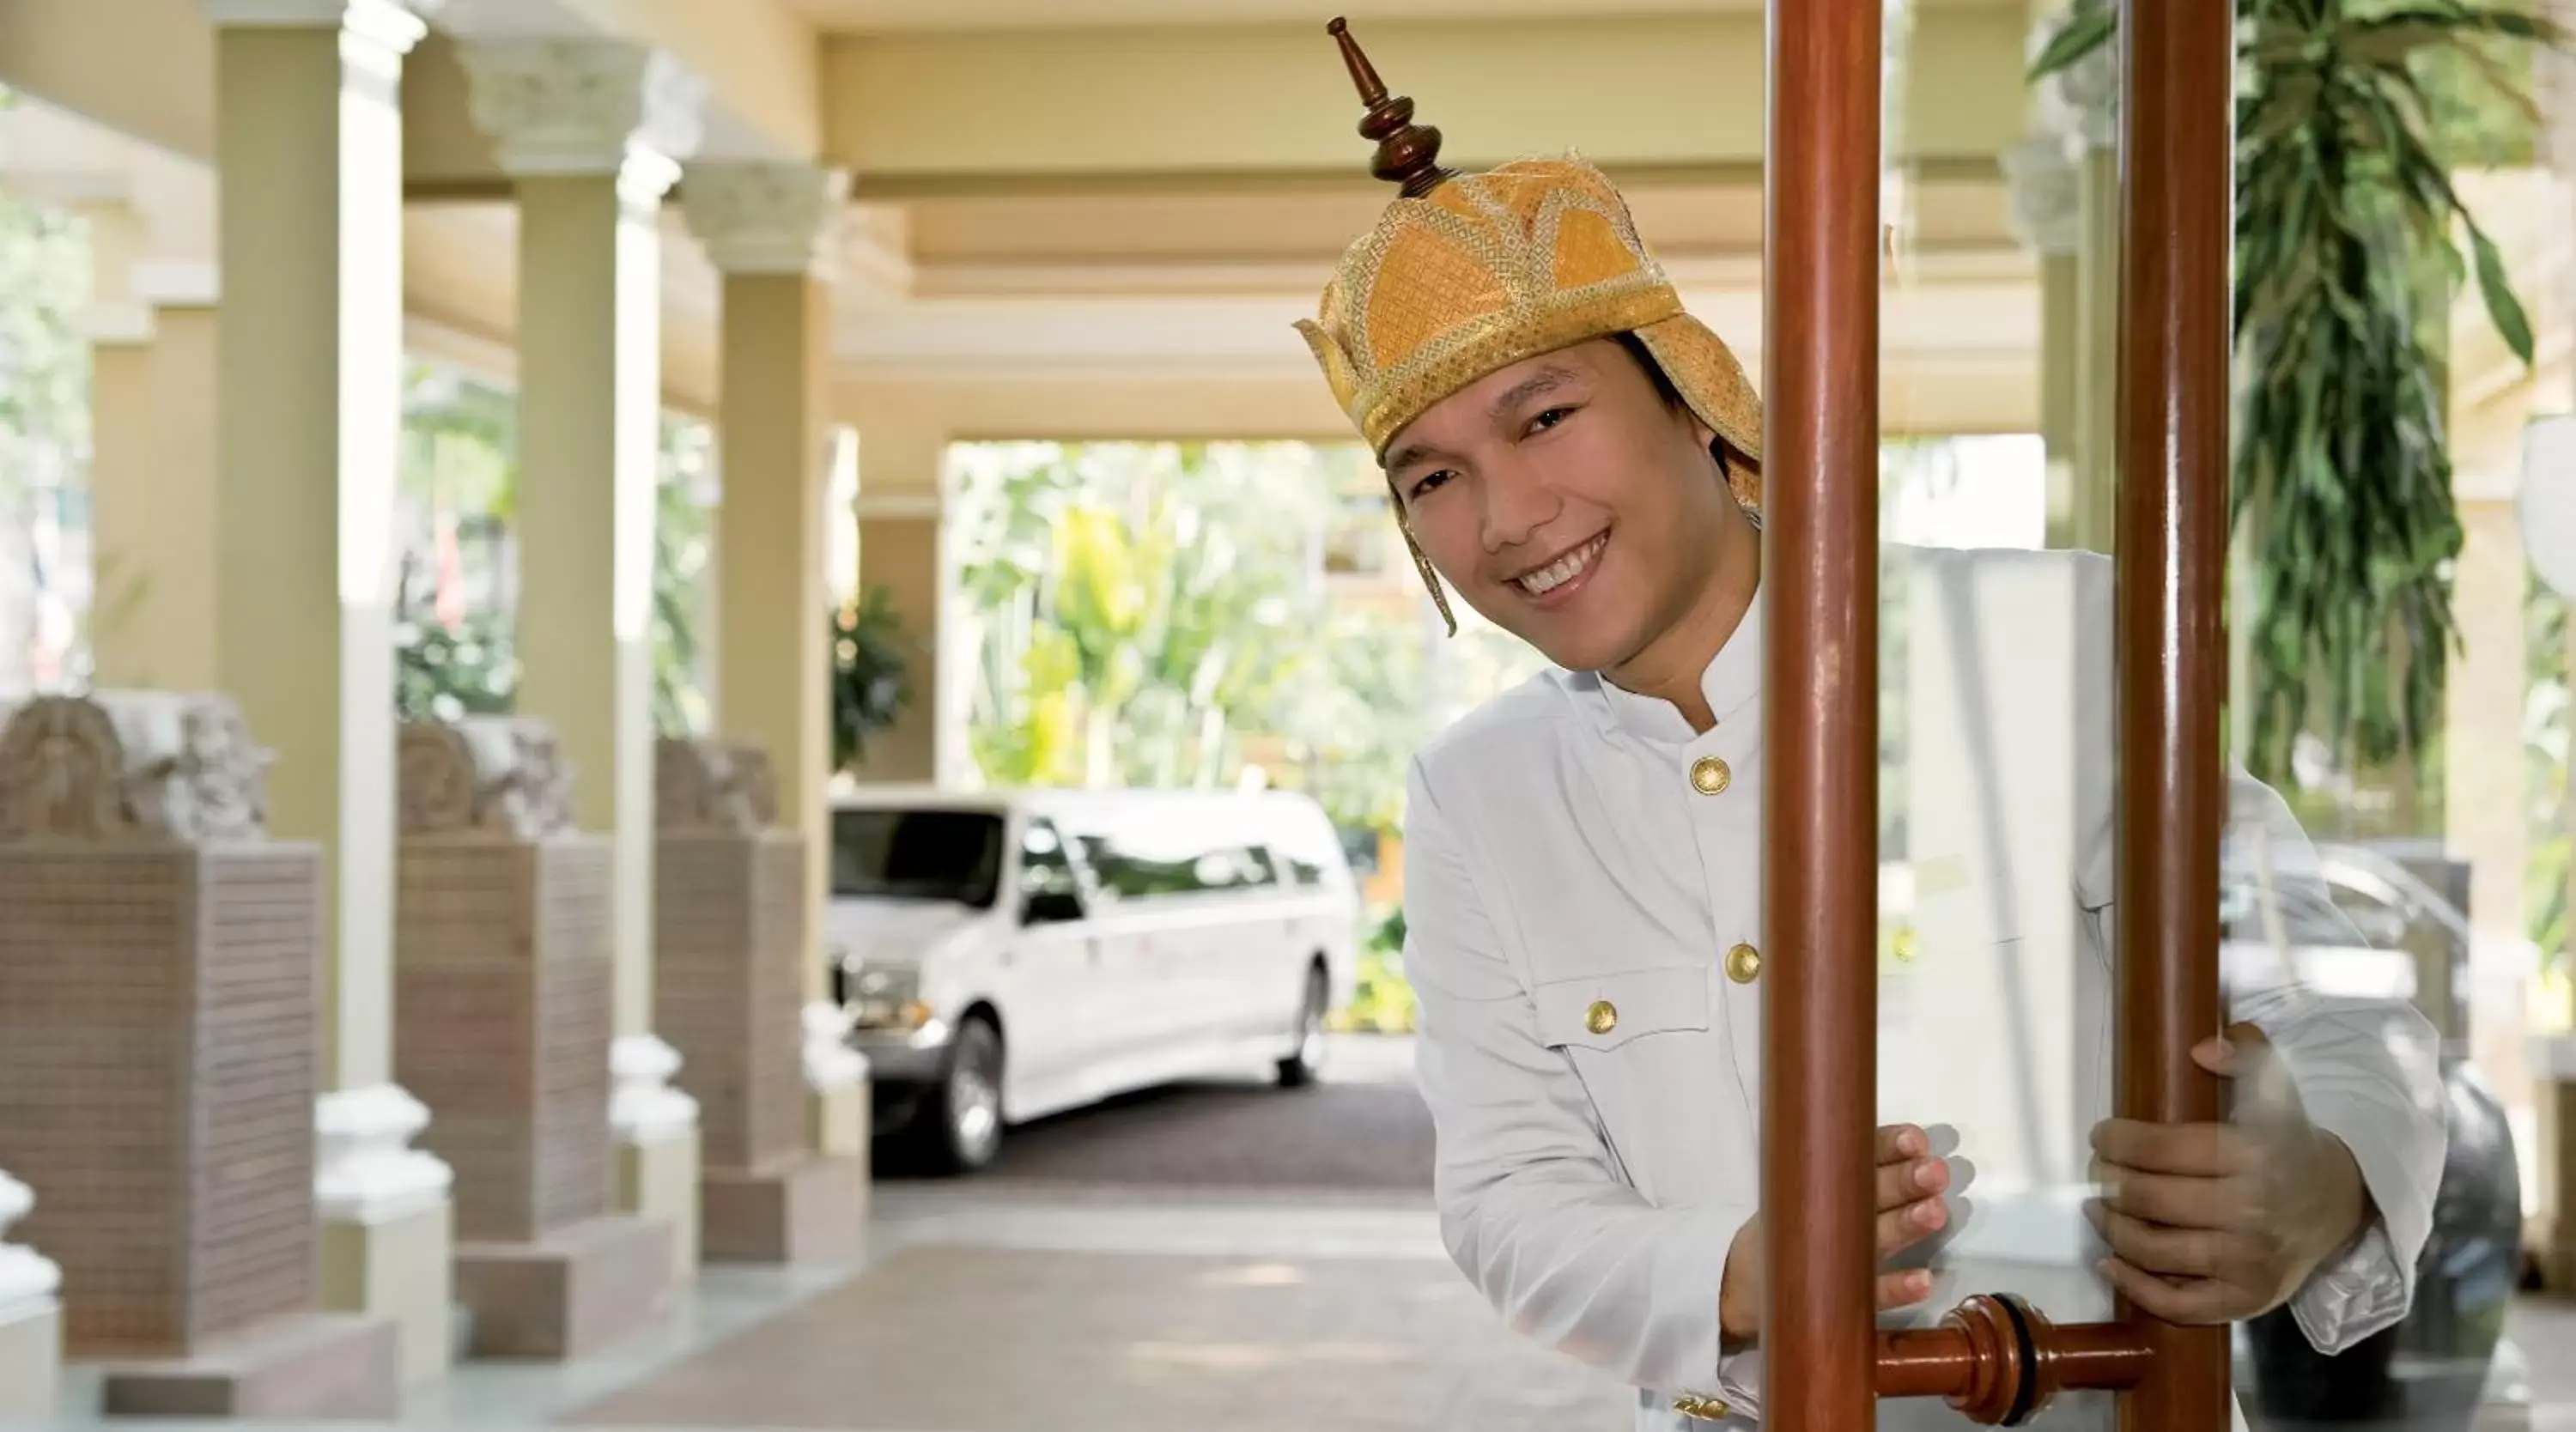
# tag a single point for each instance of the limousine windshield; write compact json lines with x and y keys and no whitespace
{"x":944,"y":855}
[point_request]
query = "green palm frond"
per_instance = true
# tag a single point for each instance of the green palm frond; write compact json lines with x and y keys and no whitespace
{"x":2345,"y":216}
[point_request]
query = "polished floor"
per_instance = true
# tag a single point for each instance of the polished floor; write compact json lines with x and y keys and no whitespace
{"x":1225,"y":1258}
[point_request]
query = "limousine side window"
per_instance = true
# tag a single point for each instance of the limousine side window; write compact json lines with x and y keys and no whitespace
{"x":1132,"y":869}
{"x":917,"y":855}
{"x":1293,"y":871}
{"x":1050,"y":892}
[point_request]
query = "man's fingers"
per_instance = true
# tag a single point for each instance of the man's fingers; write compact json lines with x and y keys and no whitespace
{"x":1902,"y":1228}
{"x":1903,"y":1183}
{"x":2177,"y":1202}
{"x":2201,"y":1150}
{"x":1903,"y":1290}
{"x":2167,"y":1252}
{"x":2195,"y":1302}
{"x":1898,"y":1142}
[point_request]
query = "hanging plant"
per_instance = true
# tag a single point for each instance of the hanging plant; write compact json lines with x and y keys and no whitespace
{"x":2342,"y":468}
{"x":871,"y":674}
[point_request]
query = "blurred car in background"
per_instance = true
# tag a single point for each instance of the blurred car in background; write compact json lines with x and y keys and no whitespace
{"x":2364,"y":925}
{"x":1009,"y":956}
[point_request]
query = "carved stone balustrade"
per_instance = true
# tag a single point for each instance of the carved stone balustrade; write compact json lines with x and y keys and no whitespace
{"x":159,"y":960}
{"x":502,"y":1022}
{"x":731,"y":938}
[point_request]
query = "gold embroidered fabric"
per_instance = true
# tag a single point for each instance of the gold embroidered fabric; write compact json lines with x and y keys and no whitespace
{"x":1490,"y":269}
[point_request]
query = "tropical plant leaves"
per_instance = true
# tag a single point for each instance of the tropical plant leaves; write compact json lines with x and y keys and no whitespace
{"x":2344,"y":206}
{"x":2089,"y":26}
{"x":2496,"y":290}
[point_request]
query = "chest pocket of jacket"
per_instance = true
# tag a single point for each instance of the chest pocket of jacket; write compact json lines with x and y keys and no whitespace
{"x":1640,"y":1042}
{"x":1605,"y":1012}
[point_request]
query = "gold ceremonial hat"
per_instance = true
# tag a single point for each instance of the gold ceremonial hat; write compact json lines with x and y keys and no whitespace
{"x":1467,"y":274}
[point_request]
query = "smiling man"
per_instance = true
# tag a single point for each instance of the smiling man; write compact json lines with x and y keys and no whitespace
{"x":1578,"y":460}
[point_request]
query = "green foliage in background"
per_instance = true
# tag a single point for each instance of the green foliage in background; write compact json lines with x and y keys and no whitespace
{"x":459,"y":459}
{"x":45,"y":421}
{"x":1132,"y":621}
{"x":2344,"y":205}
{"x":1383,"y":1003}
{"x":871,"y":674}
{"x":1144,"y":611}
{"x":441,"y":673}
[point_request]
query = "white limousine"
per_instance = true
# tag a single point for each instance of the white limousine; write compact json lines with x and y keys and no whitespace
{"x":1009,"y":956}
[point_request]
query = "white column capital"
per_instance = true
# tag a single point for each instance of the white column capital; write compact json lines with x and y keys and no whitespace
{"x":27,"y":1279}
{"x":389,"y":27}
{"x":2047,"y":195}
{"x":586,"y":107}
{"x":759,"y":217}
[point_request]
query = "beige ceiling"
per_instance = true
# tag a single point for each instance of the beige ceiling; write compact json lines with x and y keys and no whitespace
{"x":1682,"y":222}
{"x":881,"y":16}
{"x":884,"y":16}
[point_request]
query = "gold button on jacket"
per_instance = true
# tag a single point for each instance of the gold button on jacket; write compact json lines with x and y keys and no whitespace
{"x":1701,"y":1409}
{"x":1602,"y":1017}
{"x":1743,"y":963}
{"x":1710,"y":776}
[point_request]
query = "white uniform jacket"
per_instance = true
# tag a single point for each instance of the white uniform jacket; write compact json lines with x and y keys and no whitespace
{"x":1558,"y":856}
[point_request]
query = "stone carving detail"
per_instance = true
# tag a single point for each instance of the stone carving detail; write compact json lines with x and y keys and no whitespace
{"x":499,"y":776}
{"x":131,"y":765}
{"x":767,"y":218}
{"x":555,"y":106}
{"x":710,"y":787}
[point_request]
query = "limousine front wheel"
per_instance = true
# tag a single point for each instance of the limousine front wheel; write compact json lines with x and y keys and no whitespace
{"x":1300,"y":1068}
{"x":965,"y":1119}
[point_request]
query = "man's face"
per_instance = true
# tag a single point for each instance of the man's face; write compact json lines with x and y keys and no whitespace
{"x":1566,"y":500}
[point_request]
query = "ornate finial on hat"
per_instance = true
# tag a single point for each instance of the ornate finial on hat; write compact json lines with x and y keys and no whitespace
{"x":1407,"y":153}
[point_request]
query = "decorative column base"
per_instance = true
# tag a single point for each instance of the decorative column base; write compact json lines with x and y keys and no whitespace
{"x":658,"y":1155}
{"x":836,"y":1078}
{"x":388,"y":1227}
{"x":202,"y":974}
{"x":567,"y":1293}
{"x":31,"y":1319}
{"x":304,"y":1365}
{"x":503,"y":1011}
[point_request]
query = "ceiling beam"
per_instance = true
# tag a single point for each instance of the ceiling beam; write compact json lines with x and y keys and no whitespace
{"x":1254,"y":105}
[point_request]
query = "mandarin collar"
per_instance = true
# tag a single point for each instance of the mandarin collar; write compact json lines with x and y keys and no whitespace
{"x":1729,"y":683}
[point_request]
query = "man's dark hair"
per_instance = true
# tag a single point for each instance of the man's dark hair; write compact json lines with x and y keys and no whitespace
{"x":1664,"y":389}
{"x":1655,"y":373}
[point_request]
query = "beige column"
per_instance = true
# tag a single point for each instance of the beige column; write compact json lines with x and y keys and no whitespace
{"x":2097,"y":365}
{"x":308,"y":346}
{"x":153,"y":448}
{"x":900,"y":549}
{"x":2078,"y":109}
{"x":2047,"y":197}
{"x":592,"y":133}
{"x":2486,"y":799}
{"x":769,"y":229}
